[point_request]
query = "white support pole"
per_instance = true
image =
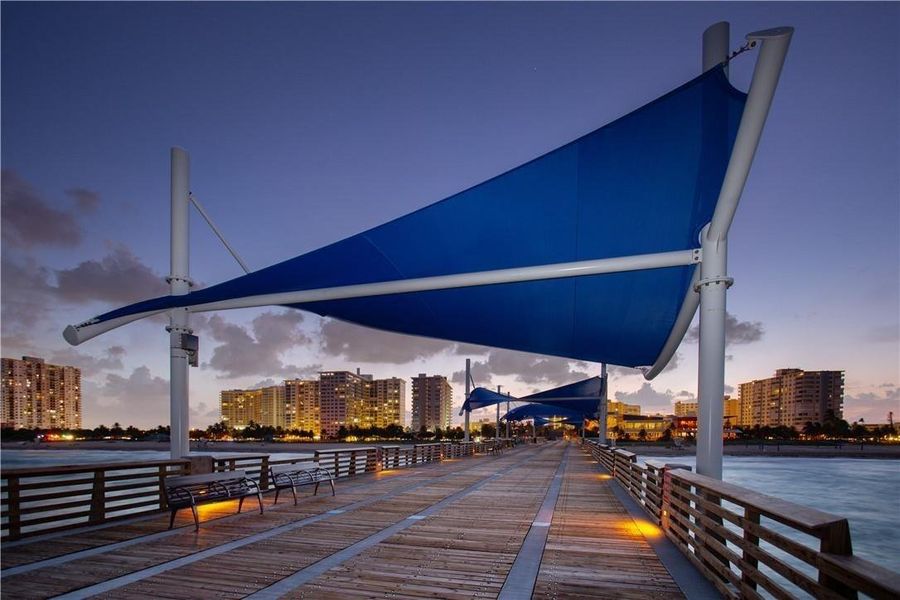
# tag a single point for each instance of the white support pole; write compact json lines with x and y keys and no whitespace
{"x":497,"y":430}
{"x":179,"y":319}
{"x":603,"y":409}
{"x":714,"y":280}
{"x":468,"y":391}
{"x":507,"y":418}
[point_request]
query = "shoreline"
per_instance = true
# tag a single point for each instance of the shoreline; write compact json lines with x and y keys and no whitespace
{"x":847,"y":450}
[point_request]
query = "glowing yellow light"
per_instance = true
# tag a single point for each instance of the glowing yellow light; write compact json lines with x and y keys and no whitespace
{"x":635,"y":527}
{"x":604,"y":476}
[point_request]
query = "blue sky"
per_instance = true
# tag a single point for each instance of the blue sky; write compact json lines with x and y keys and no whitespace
{"x":310,"y":122}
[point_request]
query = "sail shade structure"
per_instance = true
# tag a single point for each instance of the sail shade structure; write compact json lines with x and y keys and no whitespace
{"x":581,"y":396}
{"x":544,"y":413}
{"x":646,"y":183}
{"x":481,"y":397}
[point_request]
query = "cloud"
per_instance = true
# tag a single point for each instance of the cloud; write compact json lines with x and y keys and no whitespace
{"x":736,"y":332}
{"x":28,"y":220}
{"x":25,"y":294}
{"x":86,"y":201}
{"x":140,"y":399}
{"x":873,"y":407}
{"x":119,"y":278}
{"x":527,"y":368}
{"x":729,"y":389}
{"x":650,"y":399}
{"x":257,"y":351}
{"x":90,"y":365}
{"x":362,"y":344}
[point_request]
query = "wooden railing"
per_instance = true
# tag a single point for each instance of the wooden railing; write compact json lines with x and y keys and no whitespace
{"x":51,"y":498}
{"x":748,"y":544}
{"x":351,"y":461}
{"x":256,"y":466}
{"x":48,"y":499}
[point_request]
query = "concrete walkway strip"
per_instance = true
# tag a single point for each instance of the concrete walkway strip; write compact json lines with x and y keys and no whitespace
{"x":136,"y":576}
{"x":523,"y":574}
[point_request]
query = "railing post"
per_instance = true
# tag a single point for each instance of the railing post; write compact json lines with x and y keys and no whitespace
{"x":97,"y":497}
{"x":379,"y":457}
{"x":15,"y":509}
{"x":751,"y":516}
{"x":836,"y":540}
{"x":163,"y":505}
{"x":352,"y":468}
{"x":264,"y":473}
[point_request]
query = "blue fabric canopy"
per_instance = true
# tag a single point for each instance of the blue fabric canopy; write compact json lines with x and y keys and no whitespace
{"x":543,"y":413}
{"x":481,"y":397}
{"x":581,"y":397}
{"x":645,"y":183}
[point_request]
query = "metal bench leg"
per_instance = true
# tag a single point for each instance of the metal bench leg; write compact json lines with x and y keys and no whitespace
{"x":172,"y":518}
{"x":331,"y":481}
{"x":316,"y":490}
{"x":276,"y":497}
{"x":294,"y":492}
{"x":259,"y":497}
{"x":196,"y":518}
{"x":240,"y":504}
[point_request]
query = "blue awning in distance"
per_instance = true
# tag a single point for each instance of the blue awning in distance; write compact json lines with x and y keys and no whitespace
{"x":582,"y":396}
{"x":646,"y":183}
{"x":481,"y":397}
{"x":544,"y":412}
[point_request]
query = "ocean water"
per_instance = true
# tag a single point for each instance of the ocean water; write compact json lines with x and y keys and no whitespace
{"x":865,"y":491}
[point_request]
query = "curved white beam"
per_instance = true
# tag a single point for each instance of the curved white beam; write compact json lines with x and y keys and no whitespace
{"x":76,"y":334}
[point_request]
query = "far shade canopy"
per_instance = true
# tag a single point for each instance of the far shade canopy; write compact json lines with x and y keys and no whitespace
{"x":581,"y":397}
{"x":545,"y":413}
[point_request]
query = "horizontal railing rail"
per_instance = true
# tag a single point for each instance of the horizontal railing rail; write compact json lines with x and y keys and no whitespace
{"x":748,"y":544}
{"x":48,"y":499}
{"x":256,"y":466}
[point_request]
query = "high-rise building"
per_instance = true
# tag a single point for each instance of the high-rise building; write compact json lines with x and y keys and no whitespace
{"x":263,"y":406}
{"x":792,"y":398}
{"x":387,"y":402}
{"x":301,"y":405}
{"x":37,"y":395}
{"x":432,"y":402}
{"x":342,"y":400}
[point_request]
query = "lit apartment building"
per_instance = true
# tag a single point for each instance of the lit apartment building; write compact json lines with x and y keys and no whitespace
{"x":37,"y":395}
{"x":342,"y":400}
{"x":301,"y":405}
{"x":432,"y":402}
{"x":792,"y":398}
{"x":386,"y":404}
{"x":264,"y":406}
{"x":731,"y":413}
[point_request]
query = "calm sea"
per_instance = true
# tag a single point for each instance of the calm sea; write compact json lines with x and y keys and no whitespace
{"x":866,"y":491}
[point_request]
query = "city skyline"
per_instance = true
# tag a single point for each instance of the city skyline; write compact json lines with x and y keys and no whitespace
{"x":321,"y":144}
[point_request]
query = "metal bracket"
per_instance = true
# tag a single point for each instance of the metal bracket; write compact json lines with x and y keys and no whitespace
{"x":728,"y":281}
{"x":187,"y":280}
{"x":698,"y":255}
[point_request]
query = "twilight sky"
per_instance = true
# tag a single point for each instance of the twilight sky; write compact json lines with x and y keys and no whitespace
{"x":307,"y":123}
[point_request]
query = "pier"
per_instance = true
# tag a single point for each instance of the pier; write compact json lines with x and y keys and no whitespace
{"x":550,"y":520}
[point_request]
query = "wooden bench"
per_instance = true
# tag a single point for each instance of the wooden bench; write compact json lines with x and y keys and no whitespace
{"x":496,"y":448}
{"x":296,"y":474}
{"x":192,"y":490}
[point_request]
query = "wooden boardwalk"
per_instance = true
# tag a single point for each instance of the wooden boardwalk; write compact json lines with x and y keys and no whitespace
{"x":454,"y":529}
